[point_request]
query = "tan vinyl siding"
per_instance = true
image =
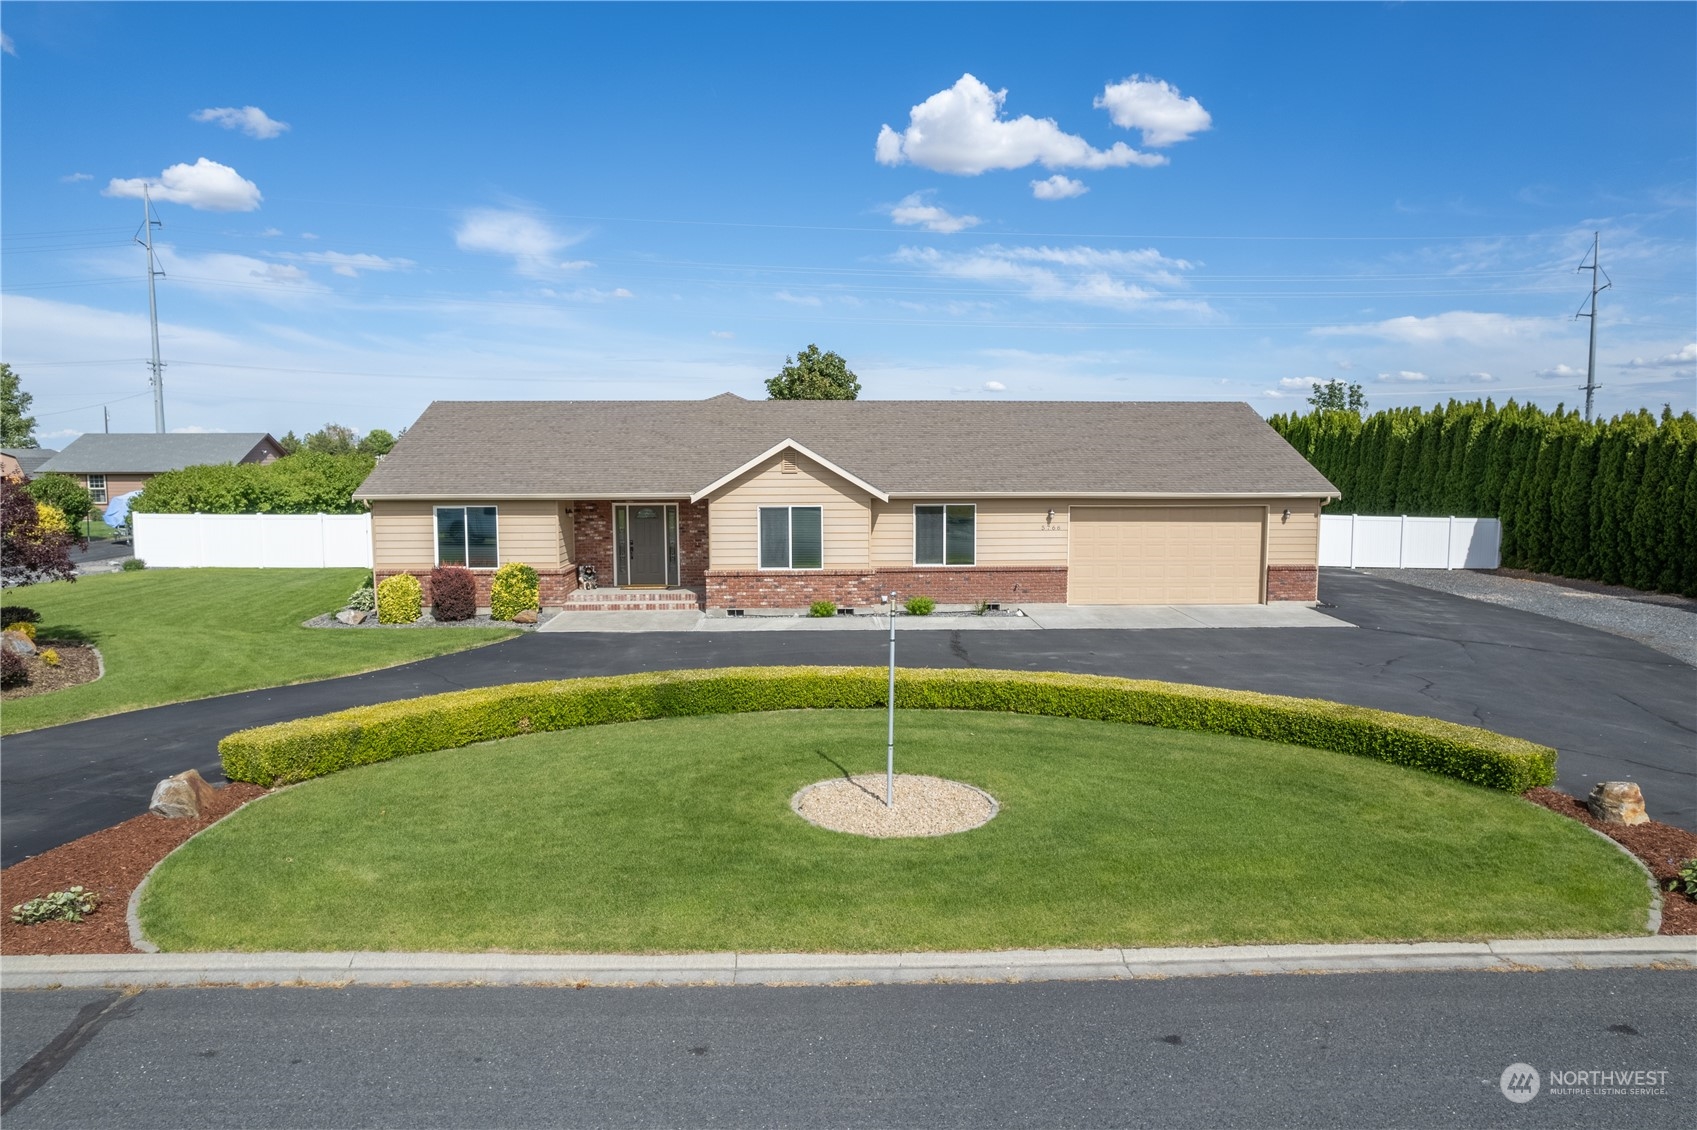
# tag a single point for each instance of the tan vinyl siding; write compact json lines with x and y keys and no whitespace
{"x":403,"y":534}
{"x":1011,"y":531}
{"x":568,"y":534}
{"x":1297,"y":541}
{"x":733,"y":512}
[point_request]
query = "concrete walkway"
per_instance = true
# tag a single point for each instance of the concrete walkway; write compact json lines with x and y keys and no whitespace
{"x":1036,"y":618}
{"x":137,"y":971}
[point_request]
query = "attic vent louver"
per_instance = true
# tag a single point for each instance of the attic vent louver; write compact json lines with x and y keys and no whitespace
{"x":788,"y":467}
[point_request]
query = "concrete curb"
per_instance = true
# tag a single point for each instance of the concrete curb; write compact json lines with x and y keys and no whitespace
{"x":151,"y":970}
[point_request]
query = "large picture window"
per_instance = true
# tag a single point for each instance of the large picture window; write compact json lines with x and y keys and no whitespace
{"x":792,"y":537}
{"x":465,"y":535}
{"x":945,"y":535}
{"x":97,"y":488}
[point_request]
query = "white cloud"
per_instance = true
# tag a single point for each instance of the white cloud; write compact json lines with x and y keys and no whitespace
{"x":251,"y":120}
{"x":271,"y":233}
{"x":530,"y":240}
{"x":1482,"y":378}
{"x":1674,"y":360}
{"x":309,"y":235}
{"x":798,"y":299}
{"x":1560,"y":372}
{"x":7,"y":45}
{"x":913,"y":211}
{"x":961,"y":130}
{"x":1456,"y":325}
{"x":1076,"y":274}
{"x":75,"y":178}
{"x":1401,"y":375}
{"x":1303,"y":382}
{"x":1058,"y":187}
{"x":995,"y":386}
{"x":1151,"y":105}
{"x":1346,"y":366}
{"x":723,"y":335}
{"x":349,"y":265}
{"x":205,"y":186}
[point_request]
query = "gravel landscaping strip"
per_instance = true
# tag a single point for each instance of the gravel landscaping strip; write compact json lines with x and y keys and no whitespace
{"x":925,"y":806}
{"x":1666,"y":623}
{"x":328,"y":620}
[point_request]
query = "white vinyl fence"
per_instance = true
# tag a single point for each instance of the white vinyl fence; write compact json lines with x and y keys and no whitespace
{"x":1363,"y":542}
{"x":253,"y":541}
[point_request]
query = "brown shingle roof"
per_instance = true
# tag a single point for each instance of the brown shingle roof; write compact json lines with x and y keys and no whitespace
{"x":672,"y":448}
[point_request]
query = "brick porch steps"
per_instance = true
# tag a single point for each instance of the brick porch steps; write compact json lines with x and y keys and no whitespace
{"x":633,"y":600}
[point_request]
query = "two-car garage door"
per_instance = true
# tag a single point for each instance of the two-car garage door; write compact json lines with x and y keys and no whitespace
{"x":1166,"y":555}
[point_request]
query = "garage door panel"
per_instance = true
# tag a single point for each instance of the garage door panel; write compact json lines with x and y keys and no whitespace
{"x":1166,"y":555}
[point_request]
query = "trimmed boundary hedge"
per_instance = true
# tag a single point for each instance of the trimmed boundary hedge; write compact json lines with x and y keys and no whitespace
{"x":311,"y":747}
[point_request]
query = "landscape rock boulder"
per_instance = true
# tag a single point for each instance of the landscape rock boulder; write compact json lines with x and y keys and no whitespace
{"x":181,"y":796}
{"x":17,"y":642}
{"x":528,"y":616}
{"x":351,"y":616}
{"x":1617,"y":802}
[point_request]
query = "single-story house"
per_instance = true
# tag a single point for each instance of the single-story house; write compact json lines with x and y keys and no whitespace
{"x":15,"y":461}
{"x":110,"y":464}
{"x":776,"y":504}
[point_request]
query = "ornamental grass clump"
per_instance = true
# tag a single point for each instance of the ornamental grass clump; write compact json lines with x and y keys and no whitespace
{"x":514,"y":589}
{"x":453,"y":593}
{"x":400,"y":599}
{"x":70,"y":905}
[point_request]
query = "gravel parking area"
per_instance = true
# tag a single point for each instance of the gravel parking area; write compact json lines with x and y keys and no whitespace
{"x":1666,"y":623}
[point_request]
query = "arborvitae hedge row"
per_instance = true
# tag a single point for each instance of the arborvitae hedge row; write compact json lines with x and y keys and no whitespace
{"x":1612,"y":501}
{"x":312,"y":747}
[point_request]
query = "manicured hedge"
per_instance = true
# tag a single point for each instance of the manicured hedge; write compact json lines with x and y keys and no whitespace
{"x":311,"y":747}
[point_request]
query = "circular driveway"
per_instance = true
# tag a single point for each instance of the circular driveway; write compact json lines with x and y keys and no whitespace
{"x":1614,"y":708}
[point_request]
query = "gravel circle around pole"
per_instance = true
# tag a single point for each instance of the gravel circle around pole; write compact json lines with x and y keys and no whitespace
{"x":925,"y":806}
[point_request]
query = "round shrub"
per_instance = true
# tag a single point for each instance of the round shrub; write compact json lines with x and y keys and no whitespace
{"x":920,"y":606}
{"x":63,"y":492}
{"x":14,"y":672}
{"x":822,"y":608}
{"x":134,"y":565}
{"x":515,"y":589}
{"x":400,"y":599}
{"x":49,"y":656}
{"x":453,"y":593}
{"x":18,"y":614}
{"x":24,"y":627}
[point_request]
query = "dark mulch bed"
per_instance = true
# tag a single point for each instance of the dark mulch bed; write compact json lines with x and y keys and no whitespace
{"x":1662,"y":847}
{"x":78,"y":664}
{"x":110,"y":862}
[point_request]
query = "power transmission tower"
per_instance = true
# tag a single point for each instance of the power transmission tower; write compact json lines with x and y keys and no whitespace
{"x":1596,"y":268}
{"x":148,"y":223}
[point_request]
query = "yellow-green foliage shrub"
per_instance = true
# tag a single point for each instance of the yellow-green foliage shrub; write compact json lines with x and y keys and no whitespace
{"x":400,"y":599}
{"x":514,"y":588}
{"x":49,"y":656}
{"x":49,"y":519}
{"x":24,"y":627}
{"x":311,"y":747}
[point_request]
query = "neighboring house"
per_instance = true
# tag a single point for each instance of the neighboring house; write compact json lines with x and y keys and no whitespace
{"x":110,"y":464}
{"x":762,"y":504}
{"x":23,"y":460}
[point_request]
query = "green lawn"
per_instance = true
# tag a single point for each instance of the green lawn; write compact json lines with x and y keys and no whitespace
{"x":676,"y":835}
{"x":173,"y":634}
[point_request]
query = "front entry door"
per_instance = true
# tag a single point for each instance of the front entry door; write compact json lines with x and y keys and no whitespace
{"x":647,"y":545}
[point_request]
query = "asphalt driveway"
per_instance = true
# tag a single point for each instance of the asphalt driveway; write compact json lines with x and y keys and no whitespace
{"x":1613,"y":707}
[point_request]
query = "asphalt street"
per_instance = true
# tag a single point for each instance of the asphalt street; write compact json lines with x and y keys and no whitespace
{"x":1368,"y":1050}
{"x":1614,"y":708}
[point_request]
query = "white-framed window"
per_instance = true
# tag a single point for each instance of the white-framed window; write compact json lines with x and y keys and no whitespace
{"x":466,"y":535}
{"x":97,"y":488}
{"x":792,"y":537}
{"x":945,"y":534}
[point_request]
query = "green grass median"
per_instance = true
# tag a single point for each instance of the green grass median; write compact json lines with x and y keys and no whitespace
{"x":676,"y":835}
{"x":169,"y":635}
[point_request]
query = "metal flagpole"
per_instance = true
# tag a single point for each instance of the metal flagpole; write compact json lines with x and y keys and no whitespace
{"x":890,"y":748}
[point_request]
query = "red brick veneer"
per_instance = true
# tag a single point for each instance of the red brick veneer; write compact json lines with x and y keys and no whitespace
{"x":592,"y":524}
{"x":1293,"y":582}
{"x":768,"y":588}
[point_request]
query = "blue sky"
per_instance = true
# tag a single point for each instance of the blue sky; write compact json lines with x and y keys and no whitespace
{"x":367,"y":208}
